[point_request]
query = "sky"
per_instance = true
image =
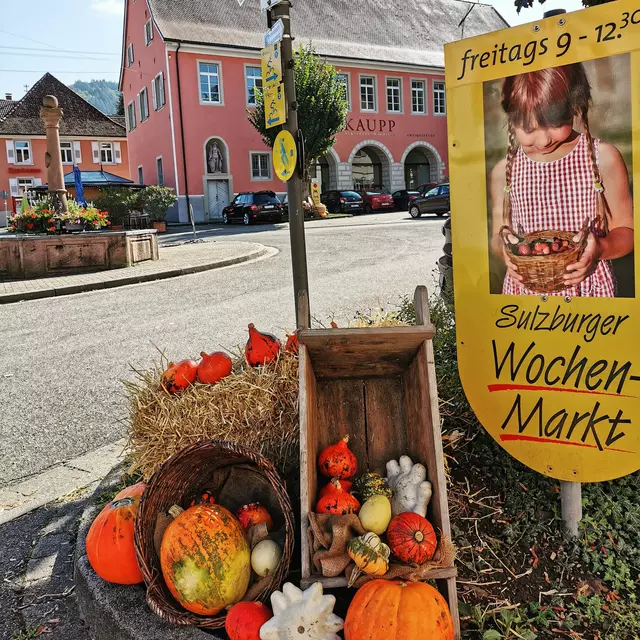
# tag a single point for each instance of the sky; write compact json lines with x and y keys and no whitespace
{"x":81,"y":39}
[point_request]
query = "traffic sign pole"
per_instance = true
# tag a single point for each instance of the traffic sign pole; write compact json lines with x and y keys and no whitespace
{"x":294,"y":185}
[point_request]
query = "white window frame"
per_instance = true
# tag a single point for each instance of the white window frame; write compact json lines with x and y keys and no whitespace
{"x":148,"y":32}
{"x":20,"y":152}
{"x":400,"y":100}
{"x":143,"y":101}
{"x":347,"y":75}
{"x":425,"y":110}
{"x":158,"y":92}
{"x":68,"y":146}
{"x":368,"y":76}
{"x":130,"y":56}
{"x":140,"y":175}
{"x":444,"y":93}
{"x":131,"y":114}
{"x":269,"y":175}
{"x":210,"y":103}
{"x":32,"y":183}
{"x":251,"y":105}
{"x":158,"y":181}
{"x":106,"y":149}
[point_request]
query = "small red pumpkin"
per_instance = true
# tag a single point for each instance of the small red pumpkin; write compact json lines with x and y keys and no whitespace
{"x":411,"y":538}
{"x":345,"y":484}
{"x":244,"y":620}
{"x":110,"y":549}
{"x":213,"y":367}
{"x":292,"y":346}
{"x":205,"y":498}
{"x":336,"y":500}
{"x":179,"y":376}
{"x":261,"y":348}
{"x":252,"y":514}
{"x":338,"y":461}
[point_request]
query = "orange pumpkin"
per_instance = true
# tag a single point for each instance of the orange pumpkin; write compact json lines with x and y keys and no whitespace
{"x":261,"y":348}
{"x":244,"y":620}
{"x":179,"y":376}
{"x":204,"y":498}
{"x":292,"y":346}
{"x":337,"y":460}
{"x":252,"y":514}
{"x":214,"y":367}
{"x":411,"y":538}
{"x":344,"y":484}
{"x":109,"y":544}
{"x":205,"y":559}
{"x":395,"y":610}
{"x":337,"y":500}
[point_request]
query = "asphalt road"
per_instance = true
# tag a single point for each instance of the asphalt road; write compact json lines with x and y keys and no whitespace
{"x":62,"y":359}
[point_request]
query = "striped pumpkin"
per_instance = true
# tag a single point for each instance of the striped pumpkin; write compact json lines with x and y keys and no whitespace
{"x":205,"y":559}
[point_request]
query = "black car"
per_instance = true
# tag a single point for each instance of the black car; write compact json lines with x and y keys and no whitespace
{"x":342,"y":201}
{"x":435,"y":201}
{"x":253,"y":206}
{"x":402,"y":198}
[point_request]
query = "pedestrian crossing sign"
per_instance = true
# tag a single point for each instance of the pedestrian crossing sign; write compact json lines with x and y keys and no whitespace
{"x":275,"y":111}
{"x":285,"y":155}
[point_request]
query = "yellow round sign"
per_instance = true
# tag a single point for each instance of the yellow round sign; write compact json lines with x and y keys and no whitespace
{"x":285,"y":155}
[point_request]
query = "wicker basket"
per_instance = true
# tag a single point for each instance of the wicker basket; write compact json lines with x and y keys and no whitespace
{"x":207,"y":465}
{"x":545,"y":274}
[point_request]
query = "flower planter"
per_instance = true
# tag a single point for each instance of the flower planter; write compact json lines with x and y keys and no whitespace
{"x":161,"y":226}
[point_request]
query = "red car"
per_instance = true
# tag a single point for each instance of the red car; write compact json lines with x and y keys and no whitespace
{"x":376,"y":200}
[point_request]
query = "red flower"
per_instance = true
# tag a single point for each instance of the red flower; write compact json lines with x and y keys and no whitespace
{"x":108,"y":223}
{"x":33,"y":215}
{"x":52,"y":229}
{"x":30,"y":226}
{"x":50,"y":221}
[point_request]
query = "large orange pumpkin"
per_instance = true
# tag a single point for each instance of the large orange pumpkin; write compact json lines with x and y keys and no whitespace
{"x":205,"y":559}
{"x":261,"y":348}
{"x":179,"y":376}
{"x":412,"y":538}
{"x":214,"y":367}
{"x":244,"y":620}
{"x":395,"y":610}
{"x":109,"y":544}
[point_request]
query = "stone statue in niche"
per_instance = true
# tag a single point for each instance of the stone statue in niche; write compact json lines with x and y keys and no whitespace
{"x":215,"y":159}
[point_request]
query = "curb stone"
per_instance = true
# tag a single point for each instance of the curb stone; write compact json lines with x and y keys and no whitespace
{"x":118,"y":612}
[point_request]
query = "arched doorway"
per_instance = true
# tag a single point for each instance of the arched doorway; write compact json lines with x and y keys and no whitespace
{"x":417,"y":168}
{"x":325,"y":171}
{"x":370,"y":168}
{"x":217,"y":179}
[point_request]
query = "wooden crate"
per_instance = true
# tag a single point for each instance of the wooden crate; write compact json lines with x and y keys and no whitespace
{"x":379,"y":386}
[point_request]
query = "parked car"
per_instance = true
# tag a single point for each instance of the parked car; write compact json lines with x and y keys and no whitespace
{"x":342,"y":201}
{"x":376,"y":200}
{"x":402,"y":198}
{"x":253,"y":206}
{"x":434,"y":201}
{"x":427,"y":186}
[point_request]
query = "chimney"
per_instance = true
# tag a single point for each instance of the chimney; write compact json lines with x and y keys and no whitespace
{"x":8,"y":96}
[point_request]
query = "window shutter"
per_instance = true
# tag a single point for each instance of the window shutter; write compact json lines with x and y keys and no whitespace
{"x":140,"y":114}
{"x":161,"y":97}
{"x":77,"y":152}
{"x":154,"y":91}
{"x":11,"y":154}
{"x":95,"y":149}
{"x":37,"y":182}
{"x":117,"y":153}
{"x":13,"y":187}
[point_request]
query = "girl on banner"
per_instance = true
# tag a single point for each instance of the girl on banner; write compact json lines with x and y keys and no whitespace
{"x":555,"y":176}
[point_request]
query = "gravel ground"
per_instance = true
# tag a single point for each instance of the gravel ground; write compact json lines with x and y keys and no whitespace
{"x":62,"y":359}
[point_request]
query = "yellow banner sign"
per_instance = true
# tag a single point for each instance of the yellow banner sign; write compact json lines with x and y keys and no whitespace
{"x":275,"y":108}
{"x":285,"y":155}
{"x":271,"y":66}
{"x":315,"y":192}
{"x":544,"y":143}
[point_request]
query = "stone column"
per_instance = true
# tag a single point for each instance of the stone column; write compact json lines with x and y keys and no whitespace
{"x":50,"y":114}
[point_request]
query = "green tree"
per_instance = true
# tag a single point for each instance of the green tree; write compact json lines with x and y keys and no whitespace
{"x":156,"y":200}
{"x":102,"y":94}
{"x":322,"y":107}
{"x":525,"y":4}
{"x":120,"y":105}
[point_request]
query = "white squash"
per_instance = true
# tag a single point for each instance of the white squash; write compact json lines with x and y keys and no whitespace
{"x":411,"y":490}
{"x":265,"y":557}
{"x":375,"y":514}
{"x":302,"y":615}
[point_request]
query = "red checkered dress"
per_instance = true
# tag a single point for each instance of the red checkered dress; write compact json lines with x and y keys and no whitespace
{"x":557,"y":195}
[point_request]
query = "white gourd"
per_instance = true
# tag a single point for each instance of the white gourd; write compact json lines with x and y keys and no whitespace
{"x":411,"y":490}
{"x":302,"y":615}
{"x":265,"y":557}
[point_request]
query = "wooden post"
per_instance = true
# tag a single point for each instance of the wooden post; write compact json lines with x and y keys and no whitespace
{"x":571,"y":498}
{"x":50,"y":114}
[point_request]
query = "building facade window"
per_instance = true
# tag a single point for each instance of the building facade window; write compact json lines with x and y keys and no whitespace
{"x":66,"y":151}
{"x":160,"y":170}
{"x":143,"y":104}
{"x":253,"y":81}
{"x":22,"y":152}
{"x":343,"y":79}
{"x":210,"y":89}
{"x":131,"y":116}
{"x":260,"y":166}
{"x":140,"y":175}
{"x":418,"y":103}
{"x":394,"y":95}
{"x":157,"y":92}
{"x":25,"y":184}
{"x":148,"y":32}
{"x":130,"y":55}
{"x":367,"y":93}
{"x":439,"y":99}
{"x":106,"y":153}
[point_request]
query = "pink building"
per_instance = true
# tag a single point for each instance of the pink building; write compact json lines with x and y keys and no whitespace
{"x":190,"y":67}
